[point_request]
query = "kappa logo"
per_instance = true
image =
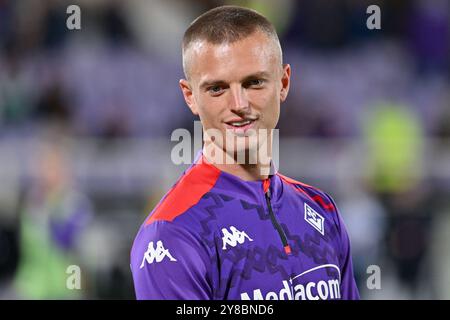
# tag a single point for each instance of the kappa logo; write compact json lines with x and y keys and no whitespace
{"x":157,"y":254}
{"x":234,"y":237}
{"x":314,"y":219}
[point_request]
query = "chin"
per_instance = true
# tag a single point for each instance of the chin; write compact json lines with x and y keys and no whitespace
{"x":245,"y":152}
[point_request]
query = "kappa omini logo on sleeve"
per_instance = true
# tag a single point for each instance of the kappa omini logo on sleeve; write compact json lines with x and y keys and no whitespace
{"x":156,"y":254}
{"x":314,"y":219}
{"x":233,"y":238}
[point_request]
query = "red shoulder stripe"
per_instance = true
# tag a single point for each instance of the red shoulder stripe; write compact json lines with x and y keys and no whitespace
{"x":316,"y":198}
{"x":292,"y":181}
{"x":187,"y":192}
{"x":319,"y":199}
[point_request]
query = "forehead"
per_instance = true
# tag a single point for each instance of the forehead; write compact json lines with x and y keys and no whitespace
{"x":229,"y":61}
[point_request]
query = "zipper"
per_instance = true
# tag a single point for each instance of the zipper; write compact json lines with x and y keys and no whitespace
{"x":277,"y":226}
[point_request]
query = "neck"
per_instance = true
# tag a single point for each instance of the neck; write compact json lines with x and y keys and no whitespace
{"x":245,"y":171}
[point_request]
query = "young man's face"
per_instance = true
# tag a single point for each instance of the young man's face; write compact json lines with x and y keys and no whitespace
{"x":236,"y":87}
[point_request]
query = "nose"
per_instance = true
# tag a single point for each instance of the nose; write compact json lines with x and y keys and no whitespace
{"x":239,"y":101}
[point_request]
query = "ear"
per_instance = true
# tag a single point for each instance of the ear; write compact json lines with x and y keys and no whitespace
{"x":188,"y":95}
{"x":285,"y":82}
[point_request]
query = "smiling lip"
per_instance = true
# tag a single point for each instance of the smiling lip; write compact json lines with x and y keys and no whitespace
{"x":240,"y":129}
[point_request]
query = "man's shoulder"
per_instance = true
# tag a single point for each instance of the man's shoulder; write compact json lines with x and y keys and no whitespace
{"x":185,"y":194}
{"x":323,"y":199}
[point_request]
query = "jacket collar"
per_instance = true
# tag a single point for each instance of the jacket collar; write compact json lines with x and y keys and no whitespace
{"x":253,"y":191}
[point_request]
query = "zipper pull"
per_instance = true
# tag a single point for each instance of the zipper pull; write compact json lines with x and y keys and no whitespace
{"x":266,"y":187}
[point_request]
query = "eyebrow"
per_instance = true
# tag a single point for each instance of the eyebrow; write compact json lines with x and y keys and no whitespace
{"x":256,"y":75}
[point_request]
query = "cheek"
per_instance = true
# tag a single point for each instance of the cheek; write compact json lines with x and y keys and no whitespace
{"x":272,"y":116}
{"x":209,"y":110}
{"x":268,"y":104}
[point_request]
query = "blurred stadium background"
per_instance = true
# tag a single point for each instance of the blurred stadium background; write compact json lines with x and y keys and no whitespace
{"x":86,"y":118}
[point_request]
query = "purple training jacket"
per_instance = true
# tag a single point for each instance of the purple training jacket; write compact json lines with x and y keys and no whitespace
{"x":216,"y":236}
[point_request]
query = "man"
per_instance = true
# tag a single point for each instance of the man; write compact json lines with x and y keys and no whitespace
{"x":232,"y":229}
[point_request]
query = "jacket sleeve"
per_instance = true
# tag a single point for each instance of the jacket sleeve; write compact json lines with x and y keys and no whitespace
{"x":349,"y":290}
{"x":169,"y":262}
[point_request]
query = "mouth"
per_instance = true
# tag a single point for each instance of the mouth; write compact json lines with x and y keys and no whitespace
{"x":240,"y":126}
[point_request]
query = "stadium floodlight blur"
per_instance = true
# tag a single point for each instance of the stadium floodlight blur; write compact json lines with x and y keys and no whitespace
{"x":369,"y":121}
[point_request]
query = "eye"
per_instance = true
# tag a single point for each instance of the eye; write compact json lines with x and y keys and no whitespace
{"x":215,"y":90}
{"x":255,"y":83}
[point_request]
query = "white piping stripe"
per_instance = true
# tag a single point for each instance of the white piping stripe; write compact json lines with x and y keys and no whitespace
{"x":319,"y":267}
